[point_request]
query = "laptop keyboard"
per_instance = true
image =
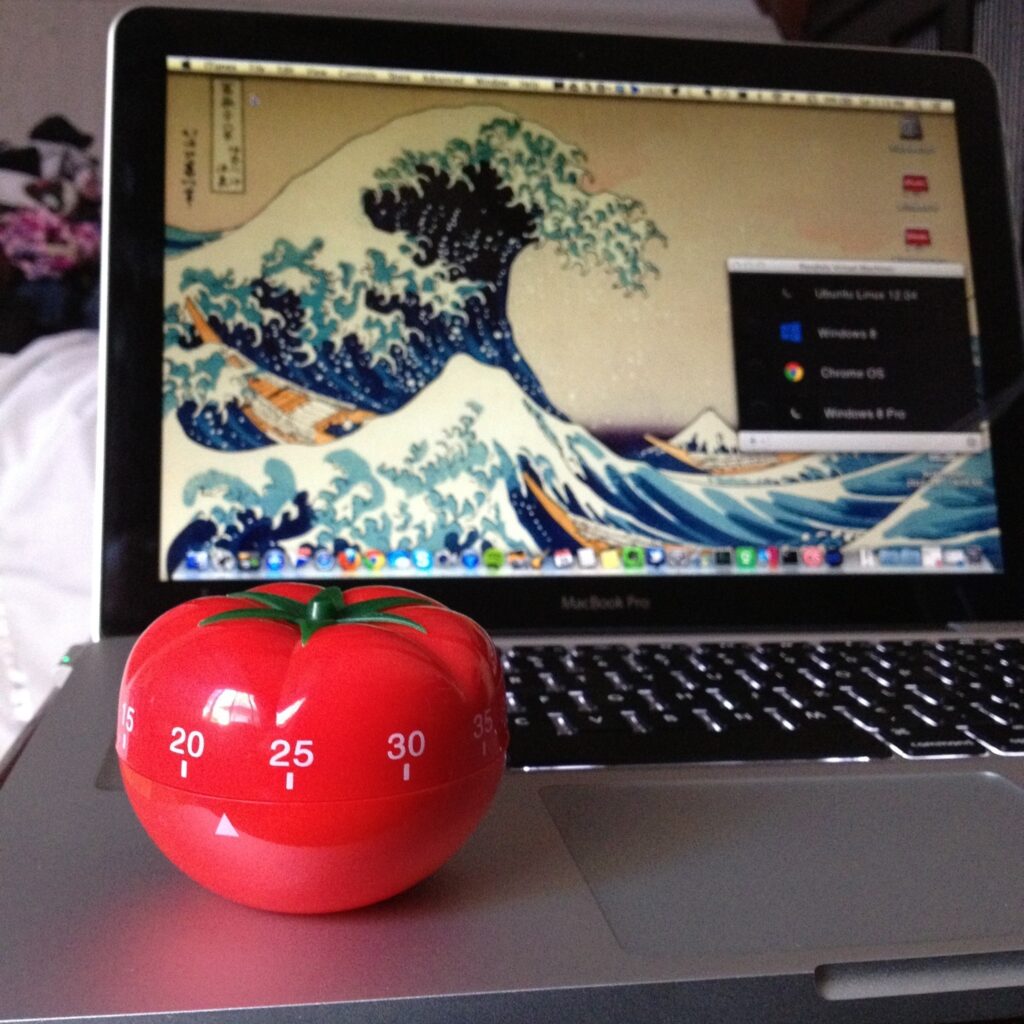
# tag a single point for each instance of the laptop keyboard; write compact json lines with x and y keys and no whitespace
{"x":673,"y":702}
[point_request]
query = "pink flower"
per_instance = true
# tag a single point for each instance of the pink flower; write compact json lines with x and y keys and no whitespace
{"x":42,"y":244}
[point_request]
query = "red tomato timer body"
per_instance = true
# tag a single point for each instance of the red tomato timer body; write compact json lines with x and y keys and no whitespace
{"x":309,"y":750}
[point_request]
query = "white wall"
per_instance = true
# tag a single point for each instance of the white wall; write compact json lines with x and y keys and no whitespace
{"x":52,"y":52}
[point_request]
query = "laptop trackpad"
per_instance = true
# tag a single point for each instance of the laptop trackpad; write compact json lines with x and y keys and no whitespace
{"x":699,"y":868}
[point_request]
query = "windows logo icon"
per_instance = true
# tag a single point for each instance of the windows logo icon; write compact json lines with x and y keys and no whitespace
{"x":791,"y":331}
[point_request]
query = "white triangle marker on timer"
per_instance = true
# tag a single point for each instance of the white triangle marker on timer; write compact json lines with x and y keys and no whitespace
{"x":225,"y":828}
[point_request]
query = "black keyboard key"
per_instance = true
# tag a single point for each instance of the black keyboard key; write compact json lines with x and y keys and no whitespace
{"x":927,"y":693}
{"x":948,"y":743}
{"x":600,"y":722}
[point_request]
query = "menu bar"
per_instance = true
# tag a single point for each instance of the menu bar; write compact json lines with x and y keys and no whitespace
{"x":585,"y":87}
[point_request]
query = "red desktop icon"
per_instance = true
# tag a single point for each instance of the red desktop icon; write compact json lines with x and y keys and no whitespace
{"x":918,"y":237}
{"x":915,"y":183}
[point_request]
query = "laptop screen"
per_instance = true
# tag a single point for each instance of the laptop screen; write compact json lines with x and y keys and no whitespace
{"x":427,"y":324}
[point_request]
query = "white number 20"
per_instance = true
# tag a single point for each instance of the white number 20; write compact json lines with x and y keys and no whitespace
{"x":190,"y":743}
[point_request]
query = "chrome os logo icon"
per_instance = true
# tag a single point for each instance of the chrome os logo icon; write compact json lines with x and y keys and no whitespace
{"x":793,"y":372}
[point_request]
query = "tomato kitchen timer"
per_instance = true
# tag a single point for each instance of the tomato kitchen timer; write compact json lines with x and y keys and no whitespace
{"x":310,"y":750}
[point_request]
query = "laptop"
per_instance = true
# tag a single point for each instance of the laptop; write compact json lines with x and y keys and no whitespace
{"x":691,"y":371}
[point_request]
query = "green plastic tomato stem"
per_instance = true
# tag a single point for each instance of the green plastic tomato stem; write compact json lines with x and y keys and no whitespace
{"x":326,"y":608}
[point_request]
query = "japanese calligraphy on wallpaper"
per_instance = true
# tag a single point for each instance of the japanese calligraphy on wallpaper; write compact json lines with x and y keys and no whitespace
{"x":228,"y":164}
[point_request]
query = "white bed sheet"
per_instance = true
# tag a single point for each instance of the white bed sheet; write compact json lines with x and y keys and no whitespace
{"x":47,"y":479}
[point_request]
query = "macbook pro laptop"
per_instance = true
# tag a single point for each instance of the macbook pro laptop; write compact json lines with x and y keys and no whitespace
{"x":691,"y":370}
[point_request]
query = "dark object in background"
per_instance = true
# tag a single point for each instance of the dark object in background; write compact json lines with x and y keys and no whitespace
{"x":57,"y":128}
{"x":49,"y":234}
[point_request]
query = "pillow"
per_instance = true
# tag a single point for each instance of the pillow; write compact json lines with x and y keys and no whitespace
{"x":47,"y":476}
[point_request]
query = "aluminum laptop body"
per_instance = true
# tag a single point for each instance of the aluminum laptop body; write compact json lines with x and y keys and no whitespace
{"x":636,"y":350}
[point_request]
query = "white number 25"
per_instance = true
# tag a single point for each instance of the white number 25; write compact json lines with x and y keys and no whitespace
{"x":285,"y":756}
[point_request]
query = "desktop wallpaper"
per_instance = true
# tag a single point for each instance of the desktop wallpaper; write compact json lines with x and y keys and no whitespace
{"x":405,"y":319}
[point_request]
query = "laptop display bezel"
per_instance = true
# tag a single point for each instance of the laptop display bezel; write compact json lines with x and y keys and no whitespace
{"x":131,"y":593}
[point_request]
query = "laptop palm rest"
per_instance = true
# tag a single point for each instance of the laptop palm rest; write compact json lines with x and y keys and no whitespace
{"x":697,"y":869}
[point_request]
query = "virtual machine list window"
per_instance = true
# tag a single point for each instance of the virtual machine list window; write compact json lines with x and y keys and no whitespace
{"x":853,"y":356}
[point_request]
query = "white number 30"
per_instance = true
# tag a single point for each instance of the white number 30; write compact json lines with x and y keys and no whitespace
{"x":401,"y":746}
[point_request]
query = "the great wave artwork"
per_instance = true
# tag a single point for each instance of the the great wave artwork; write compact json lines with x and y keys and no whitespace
{"x":343,"y":369}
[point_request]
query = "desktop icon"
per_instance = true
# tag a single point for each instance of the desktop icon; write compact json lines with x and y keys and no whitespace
{"x":911,"y":128}
{"x":746,"y":558}
{"x":680,"y":557}
{"x":324,"y":560}
{"x":793,"y":372}
{"x":911,"y":557}
{"x":304,"y":555}
{"x":518,"y":559}
{"x":833,"y":558}
{"x":632,"y":557}
{"x":768,"y":558}
{"x":975,"y":554}
{"x":954,"y":557}
{"x":274,"y":560}
{"x":494,"y":559}
{"x":586,"y":558}
{"x":889,"y":557}
{"x":349,"y":559}
{"x":791,"y":331}
{"x":198,"y":560}
{"x":248,"y":560}
{"x":422,"y":559}
{"x":656,"y":557}
{"x":563,"y":558}
{"x":610,"y":558}
{"x":445,"y":559}
{"x":374,"y":559}
{"x":470,"y":560}
{"x":867,"y":558}
{"x":223,"y":560}
{"x":813,"y":556}
{"x":400,"y":559}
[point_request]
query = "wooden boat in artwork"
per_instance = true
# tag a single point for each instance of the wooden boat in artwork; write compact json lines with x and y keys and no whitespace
{"x":726,"y":463}
{"x":584,"y":532}
{"x":276,"y":407}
